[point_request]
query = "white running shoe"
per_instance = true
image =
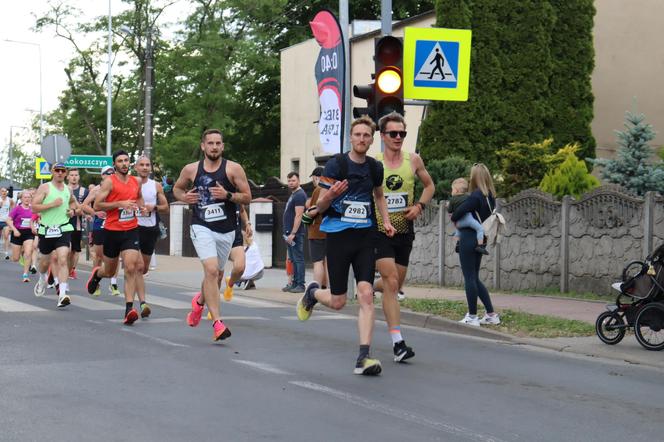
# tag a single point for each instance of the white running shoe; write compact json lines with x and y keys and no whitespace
{"x":401,"y":296}
{"x":469,"y":320}
{"x":490,"y":320}
{"x":40,"y":287}
{"x":63,"y":301}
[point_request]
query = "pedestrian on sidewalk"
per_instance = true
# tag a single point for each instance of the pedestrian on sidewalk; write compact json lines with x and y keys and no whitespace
{"x":480,"y":203}
{"x":313,"y":218}
{"x":294,"y":230}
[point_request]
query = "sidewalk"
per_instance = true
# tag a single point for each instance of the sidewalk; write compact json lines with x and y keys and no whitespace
{"x":187,"y":273}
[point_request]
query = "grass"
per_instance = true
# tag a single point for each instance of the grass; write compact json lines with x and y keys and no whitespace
{"x":553,"y":292}
{"x":512,"y":322}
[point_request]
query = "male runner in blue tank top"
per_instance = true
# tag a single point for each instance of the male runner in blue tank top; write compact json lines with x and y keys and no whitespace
{"x":219,"y":186}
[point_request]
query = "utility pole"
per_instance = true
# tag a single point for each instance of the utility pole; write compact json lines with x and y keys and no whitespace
{"x":147,"y":129}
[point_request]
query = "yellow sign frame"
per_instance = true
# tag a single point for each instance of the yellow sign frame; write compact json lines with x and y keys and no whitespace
{"x":38,"y":165}
{"x":461,"y":36}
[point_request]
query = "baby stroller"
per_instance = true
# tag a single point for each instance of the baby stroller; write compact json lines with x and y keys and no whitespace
{"x":639,"y":305}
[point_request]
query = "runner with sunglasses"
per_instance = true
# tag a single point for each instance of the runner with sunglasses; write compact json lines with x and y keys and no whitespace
{"x":56,"y":205}
{"x":393,"y":252}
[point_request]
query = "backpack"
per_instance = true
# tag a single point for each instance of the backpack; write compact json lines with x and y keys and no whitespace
{"x":494,"y":225}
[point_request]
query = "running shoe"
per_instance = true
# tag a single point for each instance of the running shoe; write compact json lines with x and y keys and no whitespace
{"x":368,"y":367}
{"x":93,"y":281}
{"x":72,"y":274}
{"x":26,"y":278}
{"x":402,"y":352}
{"x":21,"y":261}
{"x":40,"y":287}
{"x":221,"y":332}
{"x":490,"y":319}
{"x":306,"y":303}
{"x":7,"y":256}
{"x":194,"y":316}
{"x":97,"y":292}
{"x":401,"y":296}
{"x":50,"y":279}
{"x":209,"y":316}
{"x":130,"y":317}
{"x":145,"y":311}
{"x":115,"y":291}
{"x":228,"y":291}
{"x":33,"y":270}
{"x":470,"y":320}
{"x":63,"y":301}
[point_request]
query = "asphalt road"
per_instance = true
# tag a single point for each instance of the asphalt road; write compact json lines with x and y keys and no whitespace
{"x":78,"y":374}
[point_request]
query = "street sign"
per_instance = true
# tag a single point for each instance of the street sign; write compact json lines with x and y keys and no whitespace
{"x":436,"y":63}
{"x":55,"y":148}
{"x":89,"y":161}
{"x":42,"y":169}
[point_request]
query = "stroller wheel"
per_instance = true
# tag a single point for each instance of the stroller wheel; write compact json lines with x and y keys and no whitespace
{"x":610,"y":327}
{"x":649,"y":326}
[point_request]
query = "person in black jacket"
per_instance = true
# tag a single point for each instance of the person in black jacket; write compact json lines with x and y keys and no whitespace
{"x":479,"y":204}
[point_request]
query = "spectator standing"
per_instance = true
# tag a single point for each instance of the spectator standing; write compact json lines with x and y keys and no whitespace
{"x":294,"y":231}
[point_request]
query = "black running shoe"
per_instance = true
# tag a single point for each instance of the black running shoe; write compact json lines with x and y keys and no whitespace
{"x":93,"y":282}
{"x":51,"y":279}
{"x":402,"y":352}
{"x":33,"y":270}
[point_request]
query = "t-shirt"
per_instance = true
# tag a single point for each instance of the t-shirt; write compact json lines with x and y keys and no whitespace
{"x":353,"y":209}
{"x":297,"y":199}
{"x":80,"y":193}
{"x":21,"y":217}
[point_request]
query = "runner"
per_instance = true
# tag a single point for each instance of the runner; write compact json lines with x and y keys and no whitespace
{"x":20,"y":223}
{"x":148,"y":229}
{"x":6,"y":205}
{"x":350,"y":184}
{"x":219,"y":186}
{"x":56,"y":205}
{"x":120,"y":197}
{"x":393,"y":253}
{"x":80,"y":193}
{"x":97,"y":234}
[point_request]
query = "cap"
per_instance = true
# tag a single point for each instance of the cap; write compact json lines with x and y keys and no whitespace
{"x":59,"y":165}
{"x":317,"y":171}
{"x":105,"y":169}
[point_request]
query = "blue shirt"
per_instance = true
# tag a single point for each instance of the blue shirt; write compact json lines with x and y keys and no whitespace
{"x":353,"y":209}
{"x":297,"y":199}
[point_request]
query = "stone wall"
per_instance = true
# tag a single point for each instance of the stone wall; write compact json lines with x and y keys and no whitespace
{"x":576,"y":245}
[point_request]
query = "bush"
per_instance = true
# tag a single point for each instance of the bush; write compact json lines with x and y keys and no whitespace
{"x":569,"y":174}
{"x":522,"y":166}
{"x":443,"y":172}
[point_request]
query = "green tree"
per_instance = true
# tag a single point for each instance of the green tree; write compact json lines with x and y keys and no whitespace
{"x":522,"y":166}
{"x":632,"y":169}
{"x":443,"y":172}
{"x":569,"y":176}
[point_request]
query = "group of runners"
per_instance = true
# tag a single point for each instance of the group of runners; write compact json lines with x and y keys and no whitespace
{"x":367,"y":207}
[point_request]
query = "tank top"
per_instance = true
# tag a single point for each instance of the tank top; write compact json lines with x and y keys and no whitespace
{"x":56,"y":216}
{"x":5,"y":207}
{"x":149,"y":193}
{"x":399,"y":189}
{"x":121,"y":219}
{"x":218,"y":216}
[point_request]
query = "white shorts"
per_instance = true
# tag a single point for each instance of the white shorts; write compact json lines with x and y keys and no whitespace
{"x":210,"y":244}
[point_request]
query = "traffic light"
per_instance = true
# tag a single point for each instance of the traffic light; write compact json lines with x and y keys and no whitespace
{"x":388,"y":90}
{"x":365,"y":93}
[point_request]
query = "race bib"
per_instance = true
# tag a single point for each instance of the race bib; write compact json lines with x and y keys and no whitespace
{"x":396,"y":202}
{"x":126,"y":215}
{"x":147,"y":215}
{"x":213,"y":212}
{"x":355,"y":212}
{"x":25,"y":223}
{"x":53,"y":232}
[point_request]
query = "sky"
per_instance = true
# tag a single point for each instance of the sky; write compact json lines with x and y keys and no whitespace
{"x":19,"y":75}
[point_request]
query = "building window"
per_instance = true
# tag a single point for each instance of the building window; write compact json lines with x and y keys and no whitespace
{"x":295,"y":166}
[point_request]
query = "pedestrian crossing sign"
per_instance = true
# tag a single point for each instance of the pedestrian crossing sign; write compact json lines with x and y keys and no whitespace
{"x":436,"y":63}
{"x":42,"y":169}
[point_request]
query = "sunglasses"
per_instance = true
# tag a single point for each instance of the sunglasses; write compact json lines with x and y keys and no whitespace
{"x":60,"y":170}
{"x":110,"y":172}
{"x":394,"y":133}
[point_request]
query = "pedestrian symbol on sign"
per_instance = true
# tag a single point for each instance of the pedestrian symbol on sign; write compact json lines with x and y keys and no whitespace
{"x":436,"y":63}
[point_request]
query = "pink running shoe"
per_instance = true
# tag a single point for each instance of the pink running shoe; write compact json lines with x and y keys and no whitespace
{"x":221,"y":332}
{"x":194,"y":316}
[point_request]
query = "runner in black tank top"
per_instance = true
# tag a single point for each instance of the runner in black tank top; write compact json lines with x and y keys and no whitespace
{"x":218,"y":216}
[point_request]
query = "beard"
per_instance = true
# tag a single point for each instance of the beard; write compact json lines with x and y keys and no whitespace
{"x":212,"y":156}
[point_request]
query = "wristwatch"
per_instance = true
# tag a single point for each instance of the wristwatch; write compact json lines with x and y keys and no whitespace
{"x":229,"y":195}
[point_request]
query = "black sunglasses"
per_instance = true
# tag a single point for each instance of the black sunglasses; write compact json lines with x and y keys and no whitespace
{"x":110,"y":172}
{"x":394,"y":133}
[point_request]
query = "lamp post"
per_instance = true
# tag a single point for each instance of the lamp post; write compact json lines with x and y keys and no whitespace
{"x":109,"y":81}
{"x":11,"y":152}
{"x":41,"y":113}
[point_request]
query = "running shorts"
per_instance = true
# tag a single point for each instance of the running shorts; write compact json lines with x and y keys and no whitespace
{"x":398,"y":247}
{"x":211,"y":244}
{"x":116,"y":241}
{"x":350,"y":247}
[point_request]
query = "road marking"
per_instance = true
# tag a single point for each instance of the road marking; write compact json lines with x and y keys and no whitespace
{"x":397,"y":413}
{"x":9,"y":305}
{"x":168,"y":303}
{"x":321,"y":317}
{"x":154,"y":338}
{"x":263,"y":366}
{"x":153,"y":321}
{"x":242,"y":318}
{"x":245,"y":301}
{"x":92,"y":304}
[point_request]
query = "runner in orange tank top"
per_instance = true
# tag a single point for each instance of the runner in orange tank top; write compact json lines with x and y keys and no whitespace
{"x":120,"y":196}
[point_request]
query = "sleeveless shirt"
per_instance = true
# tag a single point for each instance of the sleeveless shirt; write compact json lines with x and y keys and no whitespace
{"x":149,"y":194}
{"x":399,"y":189}
{"x":217,"y":215}
{"x":56,"y":216}
{"x":121,"y":219}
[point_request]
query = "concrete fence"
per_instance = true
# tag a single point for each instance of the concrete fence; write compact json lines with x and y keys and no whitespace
{"x":574,"y":245}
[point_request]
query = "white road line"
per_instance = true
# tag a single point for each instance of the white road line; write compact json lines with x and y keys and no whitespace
{"x":242,"y":318}
{"x":263,"y":366}
{"x":245,"y":301}
{"x":154,"y":338}
{"x":88,"y":303}
{"x":397,"y":413}
{"x":10,"y":305}
{"x":167,"y":302}
{"x":153,"y":321}
{"x":320,"y":317}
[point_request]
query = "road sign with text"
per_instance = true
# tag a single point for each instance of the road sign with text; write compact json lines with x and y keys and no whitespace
{"x":89,"y":161}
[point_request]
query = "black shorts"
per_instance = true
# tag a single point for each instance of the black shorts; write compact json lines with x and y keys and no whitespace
{"x":147,"y":239}
{"x":76,"y":241}
{"x":98,"y":237}
{"x":47,"y":245}
{"x":398,"y":247}
{"x":239,"y":240}
{"x":350,"y":247}
{"x":26,"y":235}
{"x":115,"y":241}
{"x":317,"y":249}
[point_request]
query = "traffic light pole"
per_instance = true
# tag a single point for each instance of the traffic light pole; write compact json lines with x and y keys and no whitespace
{"x":386,"y":17}
{"x":344,"y":22}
